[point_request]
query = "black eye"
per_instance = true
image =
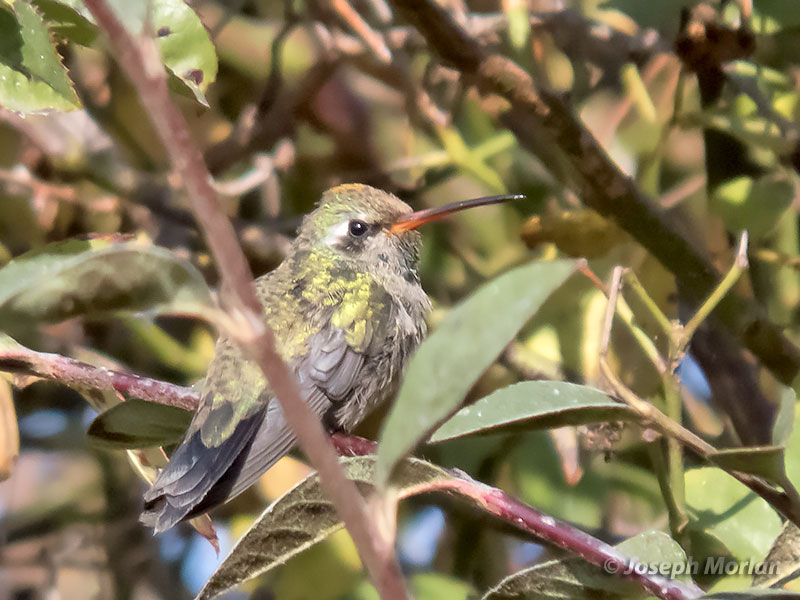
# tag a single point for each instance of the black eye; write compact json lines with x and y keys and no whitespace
{"x":358,"y":228}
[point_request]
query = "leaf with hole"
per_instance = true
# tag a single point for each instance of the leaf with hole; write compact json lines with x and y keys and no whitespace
{"x":186,"y":48}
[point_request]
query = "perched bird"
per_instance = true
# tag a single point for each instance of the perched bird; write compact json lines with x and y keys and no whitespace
{"x":347,"y":309}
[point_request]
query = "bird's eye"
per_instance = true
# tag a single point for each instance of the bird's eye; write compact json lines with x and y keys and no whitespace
{"x":358,"y":228}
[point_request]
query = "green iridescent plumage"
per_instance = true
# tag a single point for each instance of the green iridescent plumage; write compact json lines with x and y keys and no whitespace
{"x":347,"y":310}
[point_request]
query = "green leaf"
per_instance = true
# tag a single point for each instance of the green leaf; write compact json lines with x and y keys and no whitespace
{"x":541,"y":482}
{"x":763,"y":461}
{"x":575,"y":579}
{"x":784,"y":421}
{"x":533,"y":404}
{"x":65,"y":21}
{"x":728,"y":511}
{"x":32,"y":77}
{"x":139,"y":424}
{"x":752,"y":204}
{"x":25,"y":270}
{"x":301,"y":518}
{"x":792,"y":455}
{"x":519,"y":23}
{"x":75,"y":277}
{"x":452,"y":359}
{"x":435,"y":586}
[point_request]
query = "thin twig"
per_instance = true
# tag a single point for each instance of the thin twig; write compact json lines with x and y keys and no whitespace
{"x":263,"y":169}
{"x":139,"y":58}
{"x":361,"y":28}
{"x":730,"y":279}
{"x":21,"y":177}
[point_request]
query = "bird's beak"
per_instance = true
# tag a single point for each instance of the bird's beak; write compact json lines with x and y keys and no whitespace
{"x":420,"y":217}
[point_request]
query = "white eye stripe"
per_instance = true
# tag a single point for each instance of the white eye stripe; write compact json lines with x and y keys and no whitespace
{"x":339,"y":234}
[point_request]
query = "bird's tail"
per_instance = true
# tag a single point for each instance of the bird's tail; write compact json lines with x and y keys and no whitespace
{"x":197,"y":477}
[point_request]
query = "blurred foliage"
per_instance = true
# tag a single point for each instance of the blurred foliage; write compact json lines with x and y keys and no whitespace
{"x":103,"y":263}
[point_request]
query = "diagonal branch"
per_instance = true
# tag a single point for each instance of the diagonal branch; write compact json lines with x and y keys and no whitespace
{"x":139,"y":58}
{"x":497,"y":503}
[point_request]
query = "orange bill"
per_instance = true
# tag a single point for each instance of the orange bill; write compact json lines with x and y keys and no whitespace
{"x":420,"y":217}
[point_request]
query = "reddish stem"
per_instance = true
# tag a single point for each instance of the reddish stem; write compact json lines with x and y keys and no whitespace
{"x":80,"y":375}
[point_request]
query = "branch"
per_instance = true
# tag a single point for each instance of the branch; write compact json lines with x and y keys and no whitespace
{"x":83,"y":376}
{"x":542,"y":120}
{"x":139,"y":58}
{"x":496,"y":502}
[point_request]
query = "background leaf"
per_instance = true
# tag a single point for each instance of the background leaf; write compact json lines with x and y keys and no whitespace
{"x":752,"y":204}
{"x":751,"y":594}
{"x":423,"y":586}
{"x":136,"y":423}
{"x":725,"y":509}
{"x":73,"y":278}
{"x":464,"y":344}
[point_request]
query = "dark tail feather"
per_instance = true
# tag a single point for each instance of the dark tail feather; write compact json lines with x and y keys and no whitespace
{"x":197,"y":477}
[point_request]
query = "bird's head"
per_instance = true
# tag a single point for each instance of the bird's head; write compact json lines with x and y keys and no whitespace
{"x":373,"y":227}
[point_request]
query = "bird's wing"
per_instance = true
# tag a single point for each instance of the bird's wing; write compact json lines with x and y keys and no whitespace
{"x":328,"y":373}
{"x":224,"y":425}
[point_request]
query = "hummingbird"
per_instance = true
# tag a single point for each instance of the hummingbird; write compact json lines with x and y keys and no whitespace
{"x":347,"y":310}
